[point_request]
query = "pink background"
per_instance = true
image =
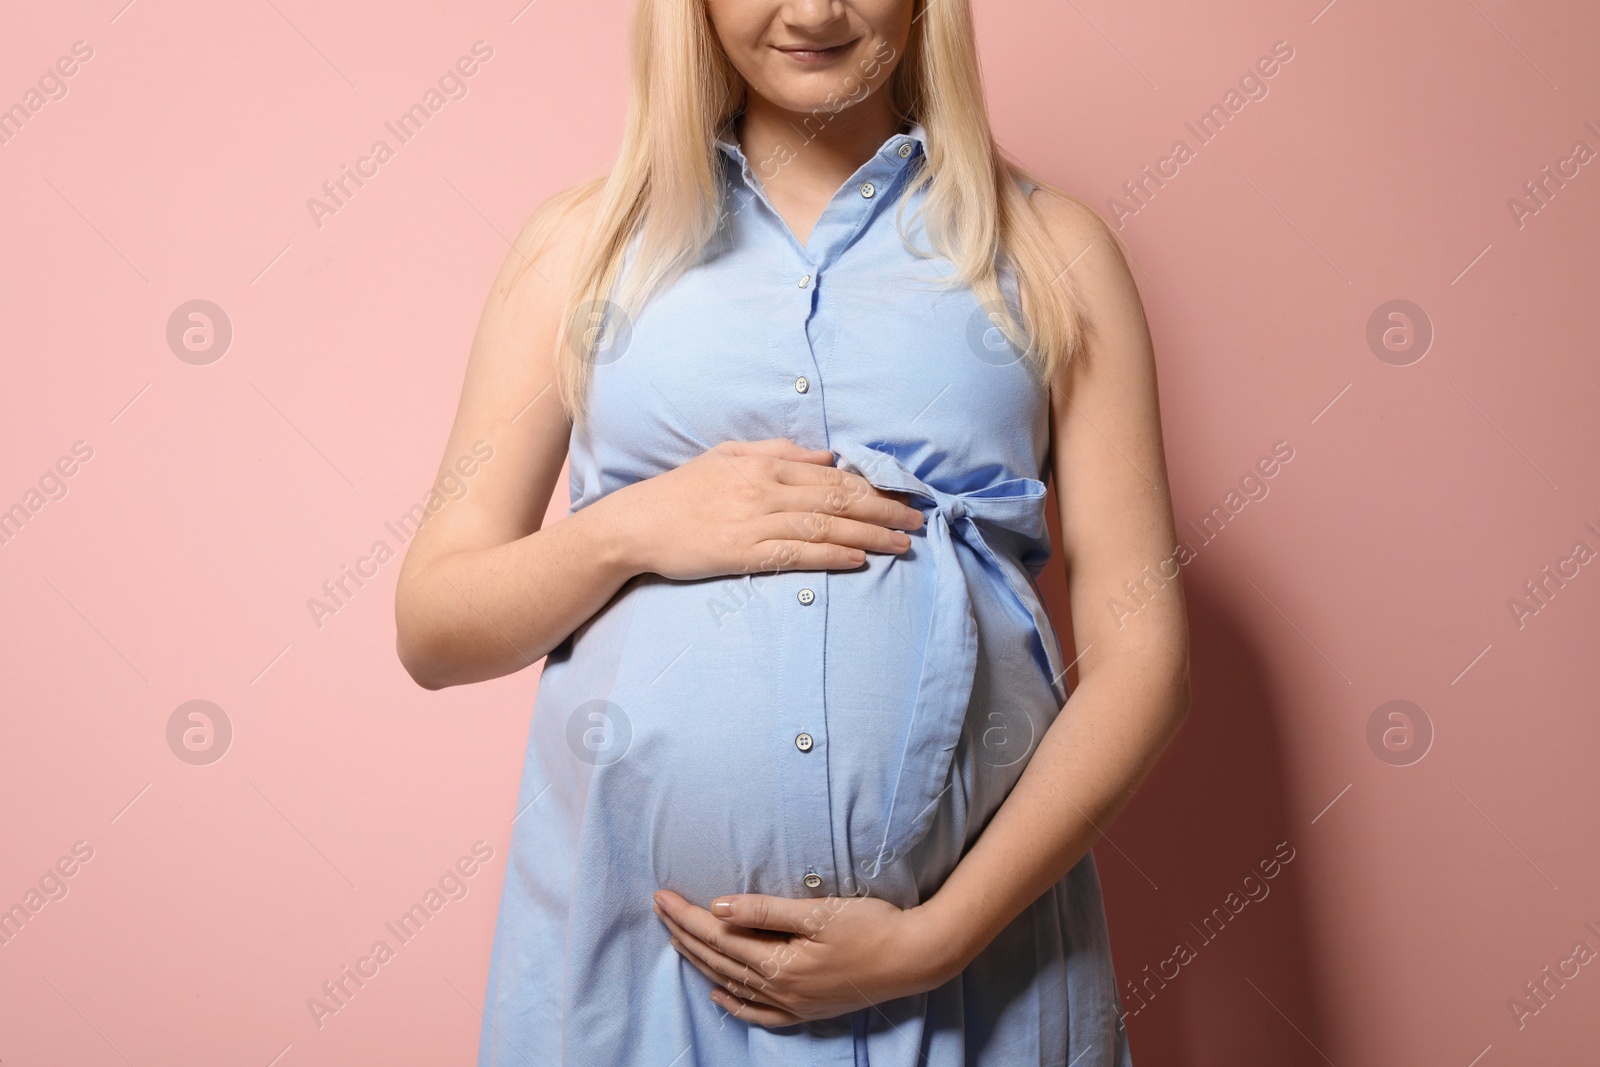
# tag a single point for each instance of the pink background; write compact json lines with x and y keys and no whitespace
{"x":220,"y":497}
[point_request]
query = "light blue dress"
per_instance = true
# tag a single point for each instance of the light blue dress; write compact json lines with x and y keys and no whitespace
{"x":802,"y":734}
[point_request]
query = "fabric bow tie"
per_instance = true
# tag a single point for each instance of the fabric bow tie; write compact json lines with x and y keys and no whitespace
{"x":950,"y":652}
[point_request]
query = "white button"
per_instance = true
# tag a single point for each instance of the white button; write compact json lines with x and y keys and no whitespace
{"x":905,"y":150}
{"x":805,"y":281}
{"x":867,"y":190}
{"x":806,"y":596}
{"x":803,"y":742}
{"x":801,"y":385}
{"x":813,"y":880}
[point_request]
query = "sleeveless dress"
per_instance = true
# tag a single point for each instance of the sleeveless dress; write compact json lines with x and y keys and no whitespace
{"x":802,"y":733}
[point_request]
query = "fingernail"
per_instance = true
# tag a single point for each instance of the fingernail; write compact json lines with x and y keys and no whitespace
{"x":856,"y":557}
{"x":722,"y":908}
{"x":901,"y":540}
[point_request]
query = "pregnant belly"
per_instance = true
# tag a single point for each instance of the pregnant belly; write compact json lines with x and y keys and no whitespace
{"x":748,"y":735}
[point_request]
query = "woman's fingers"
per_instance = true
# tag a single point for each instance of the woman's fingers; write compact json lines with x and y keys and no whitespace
{"x":831,"y":529}
{"x":791,"y":555}
{"x":761,"y":506}
{"x":731,"y":986}
{"x":805,"y":916}
{"x":779,"y":448}
{"x":750,"y":1012}
{"x":872,"y":506}
{"x":848,"y":483}
{"x":722,"y":954}
{"x":798,"y":472}
{"x":741,"y":986}
{"x":838,"y":492}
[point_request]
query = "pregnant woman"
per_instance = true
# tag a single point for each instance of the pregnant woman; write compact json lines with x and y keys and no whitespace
{"x":804,"y":783}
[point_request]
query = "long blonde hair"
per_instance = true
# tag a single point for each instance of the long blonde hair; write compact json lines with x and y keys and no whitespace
{"x":667,"y":183}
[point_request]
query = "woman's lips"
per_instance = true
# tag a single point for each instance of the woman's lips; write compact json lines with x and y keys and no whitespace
{"x":816,"y":56}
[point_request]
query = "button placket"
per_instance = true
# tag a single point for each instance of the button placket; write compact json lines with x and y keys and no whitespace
{"x":811,"y":857}
{"x":810,"y":853}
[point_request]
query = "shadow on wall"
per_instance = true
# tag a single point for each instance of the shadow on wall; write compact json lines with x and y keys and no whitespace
{"x":1205,"y":875}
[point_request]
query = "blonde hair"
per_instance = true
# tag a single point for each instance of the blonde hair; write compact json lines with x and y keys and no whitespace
{"x":667,"y":183}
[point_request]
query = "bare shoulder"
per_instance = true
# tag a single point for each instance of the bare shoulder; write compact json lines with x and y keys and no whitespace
{"x":513,"y":351}
{"x":1095,"y":259}
{"x":511,"y":370}
{"x":1069,"y":221}
{"x":1088,"y":246}
{"x":546,"y":247}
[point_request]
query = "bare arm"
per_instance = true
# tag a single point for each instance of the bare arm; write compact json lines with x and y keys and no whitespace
{"x":485,"y":591}
{"x":478,"y":564}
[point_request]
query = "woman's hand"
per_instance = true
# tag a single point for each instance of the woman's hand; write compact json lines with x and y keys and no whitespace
{"x":752,"y":506}
{"x":776,"y":961}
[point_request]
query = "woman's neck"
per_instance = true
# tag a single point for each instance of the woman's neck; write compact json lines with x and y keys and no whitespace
{"x":813,"y":151}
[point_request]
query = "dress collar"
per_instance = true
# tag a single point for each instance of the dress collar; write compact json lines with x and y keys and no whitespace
{"x":916,"y":137}
{"x":877,"y":182}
